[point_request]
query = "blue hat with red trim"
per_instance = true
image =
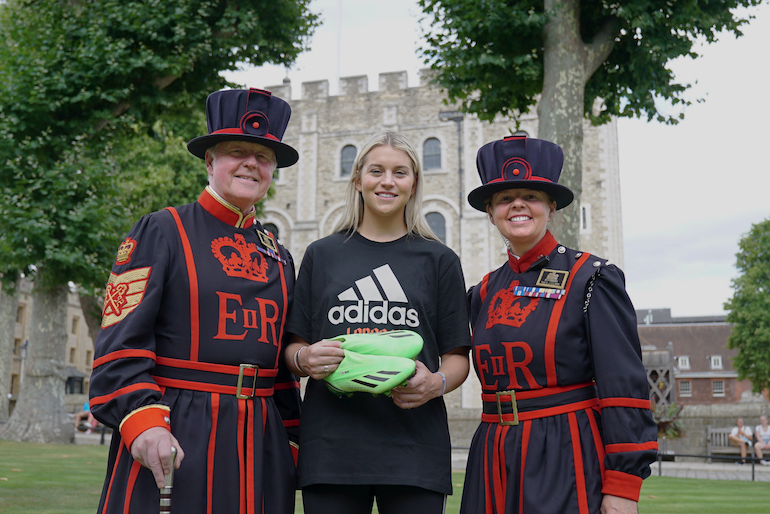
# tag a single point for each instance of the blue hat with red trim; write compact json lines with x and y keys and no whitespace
{"x":253,"y":115}
{"x":518,"y":162}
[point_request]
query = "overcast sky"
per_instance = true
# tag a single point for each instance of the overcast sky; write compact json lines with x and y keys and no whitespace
{"x":689,"y":192}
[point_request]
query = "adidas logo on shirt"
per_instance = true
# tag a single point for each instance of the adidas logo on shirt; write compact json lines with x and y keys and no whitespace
{"x":373,"y":300}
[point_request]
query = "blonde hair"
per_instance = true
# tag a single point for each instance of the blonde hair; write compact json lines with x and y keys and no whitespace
{"x":353,"y":214}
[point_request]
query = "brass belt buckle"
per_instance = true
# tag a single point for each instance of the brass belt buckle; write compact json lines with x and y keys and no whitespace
{"x":512,"y":394}
{"x":240,"y":381}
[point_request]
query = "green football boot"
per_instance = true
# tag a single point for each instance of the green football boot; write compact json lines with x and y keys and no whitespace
{"x":376,"y":374}
{"x":395,"y":343}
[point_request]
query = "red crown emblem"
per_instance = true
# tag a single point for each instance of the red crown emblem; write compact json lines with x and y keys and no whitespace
{"x":506,"y":308}
{"x":240,"y":259}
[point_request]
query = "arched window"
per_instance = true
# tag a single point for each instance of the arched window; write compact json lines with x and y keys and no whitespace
{"x":437,"y":224}
{"x":431,"y":154}
{"x":347,"y":157}
{"x":270,"y":227}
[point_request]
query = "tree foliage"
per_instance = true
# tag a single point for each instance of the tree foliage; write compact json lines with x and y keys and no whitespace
{"x":489,"y":54}
{"x":97,"y":99}
{"x":85,"y":83}
{"x":749,"y":308}
{"x":573,"y":59}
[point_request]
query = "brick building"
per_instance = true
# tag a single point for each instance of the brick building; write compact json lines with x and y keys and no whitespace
{"x":702,"y":363}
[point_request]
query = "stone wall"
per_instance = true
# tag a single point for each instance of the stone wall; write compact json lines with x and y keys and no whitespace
{"x":695,"y":420}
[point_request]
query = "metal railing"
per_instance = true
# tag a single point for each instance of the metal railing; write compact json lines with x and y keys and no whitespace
{"x":752,"y":458}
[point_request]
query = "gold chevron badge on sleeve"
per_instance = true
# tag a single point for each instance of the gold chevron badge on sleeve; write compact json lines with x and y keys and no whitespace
{"x":123,"y":294}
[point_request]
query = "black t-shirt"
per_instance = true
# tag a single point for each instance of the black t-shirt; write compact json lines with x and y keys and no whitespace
{"x":349,"y":284}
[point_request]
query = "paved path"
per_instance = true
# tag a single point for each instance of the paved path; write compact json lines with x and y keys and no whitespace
{"x":92,"y":438}
{"x":703,"y":469}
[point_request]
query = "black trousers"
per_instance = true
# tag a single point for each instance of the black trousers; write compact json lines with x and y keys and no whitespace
{"x":359,"y":499}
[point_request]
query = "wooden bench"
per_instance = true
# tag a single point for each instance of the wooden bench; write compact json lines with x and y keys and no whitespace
{"x":717,"y":443}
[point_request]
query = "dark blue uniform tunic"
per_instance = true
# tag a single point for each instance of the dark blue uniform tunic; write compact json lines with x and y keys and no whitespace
{"x":196,"y":303}
{"x":566,"y":407}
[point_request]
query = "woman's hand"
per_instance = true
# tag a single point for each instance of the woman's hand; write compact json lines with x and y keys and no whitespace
{"x":314,"y":360}
{"x":618,"y":505}
{"x":152,"y":449}
{"x":322,"y":358}
{"x":421,"y":388}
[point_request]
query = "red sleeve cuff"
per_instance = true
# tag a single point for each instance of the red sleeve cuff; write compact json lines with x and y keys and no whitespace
{"x":624,"y":485}
{"x":141,"y":419}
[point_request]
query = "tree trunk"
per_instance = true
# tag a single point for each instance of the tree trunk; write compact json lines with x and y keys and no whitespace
{"x":568,"y":63}
{"x":8,"y":306}
{"x":92,"y":312}
{"x":40,"y":415}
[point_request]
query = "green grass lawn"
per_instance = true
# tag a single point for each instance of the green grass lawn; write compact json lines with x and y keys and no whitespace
{"x":67,"y":479}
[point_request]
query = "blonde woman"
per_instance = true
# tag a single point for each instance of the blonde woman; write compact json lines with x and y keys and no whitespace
{"x":382,"y":269}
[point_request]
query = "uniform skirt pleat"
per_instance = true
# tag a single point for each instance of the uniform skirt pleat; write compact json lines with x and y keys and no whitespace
{"x":237,"y":460}
{"x":544,"y":465}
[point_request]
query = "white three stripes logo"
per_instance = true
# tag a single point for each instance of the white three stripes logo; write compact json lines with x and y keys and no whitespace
{"x":371,"y":293}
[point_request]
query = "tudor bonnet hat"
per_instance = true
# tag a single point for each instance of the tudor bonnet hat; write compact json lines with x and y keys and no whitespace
{"x":520,"y":162}
{"x":253,"y":115}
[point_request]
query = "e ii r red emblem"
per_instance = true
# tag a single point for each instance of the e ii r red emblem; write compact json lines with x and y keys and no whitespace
{"x":125,"y":250}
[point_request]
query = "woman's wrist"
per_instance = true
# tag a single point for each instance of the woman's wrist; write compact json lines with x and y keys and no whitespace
{"x":443,"y":382}
{"x":297,"y":362}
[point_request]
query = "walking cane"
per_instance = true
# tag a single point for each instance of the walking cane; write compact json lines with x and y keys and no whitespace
{"x":165,"y":493}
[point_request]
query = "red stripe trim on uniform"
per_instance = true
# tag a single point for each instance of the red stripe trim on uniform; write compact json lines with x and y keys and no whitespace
{"x":209,"y":388}
{"x":483,"y":289}
{"x":250,"y":460}
{"x":282,"y":386}
{"x":544,"y":413}
{"x":577,"y":455}
{"x":622,"y":484}
{"x":631,"y":447}
{"x":561,"y":409}
{"x":525,"y":433}
{"x":498,"y":481}
{"x":112,"y":477}
{"x":291,"y":422}
{"x":215,"y":368}
{"x":634,"y":403}
{"x":192,"y":275}
{"x":488,"y":506}
{"x":598,"y":443}
{"x":210,"y":453}
{"x":99,"y":400}
{"x":122,"y":354}
{"x":285,"y":293}
{"x":553,"y":325}
{"x":264,"y":416}
{"x":538,"y":393}
{"x":241,"y":463}
{"x":135,"y":467}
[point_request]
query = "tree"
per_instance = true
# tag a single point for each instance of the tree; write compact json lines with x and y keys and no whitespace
{"x":572,"y":58}
{"x":81,"y":82}
{"x":8,"y":306}
{"x":749,"y":308}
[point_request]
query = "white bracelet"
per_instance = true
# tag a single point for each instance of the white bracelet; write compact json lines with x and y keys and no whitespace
{"x":443,"y":382}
